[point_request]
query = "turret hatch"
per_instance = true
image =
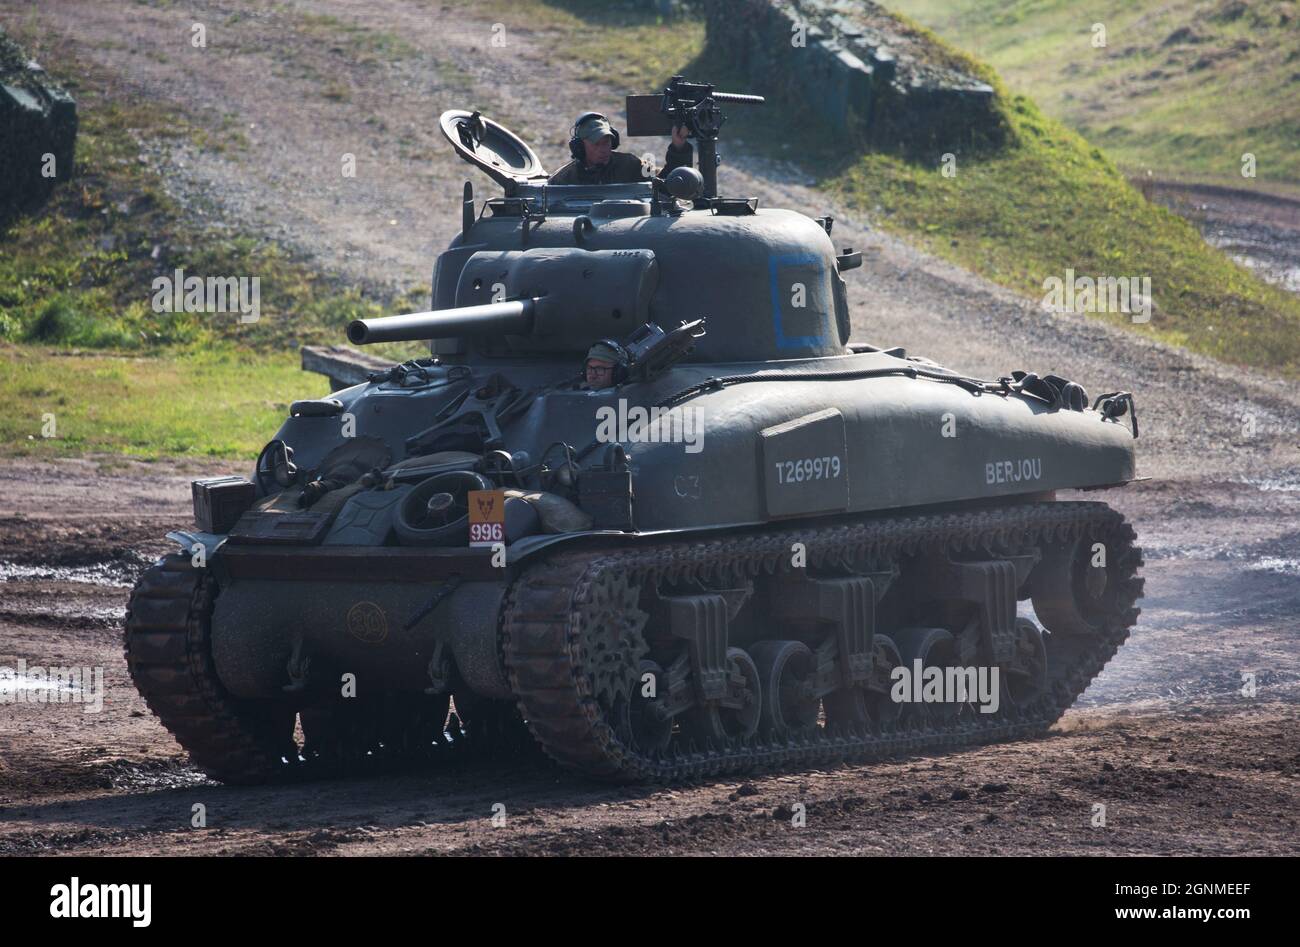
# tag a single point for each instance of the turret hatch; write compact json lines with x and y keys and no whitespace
{"x":493,"y":148}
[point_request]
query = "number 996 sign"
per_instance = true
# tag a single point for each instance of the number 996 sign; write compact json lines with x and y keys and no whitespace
{"x":487,"y":517}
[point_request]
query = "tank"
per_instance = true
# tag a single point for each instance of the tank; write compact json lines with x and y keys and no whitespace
{"x":38,"y":131}
{"x":751,"y":544}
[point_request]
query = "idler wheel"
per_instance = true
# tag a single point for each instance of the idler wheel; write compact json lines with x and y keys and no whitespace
{"x":1071,"y":595}
{"x":436,"y":511}
{"x":783,"y":669}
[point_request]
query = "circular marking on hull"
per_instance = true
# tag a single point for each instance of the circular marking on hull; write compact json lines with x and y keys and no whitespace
{"x":367,"y":622}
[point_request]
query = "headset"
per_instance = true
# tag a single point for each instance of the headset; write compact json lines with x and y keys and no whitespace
{"x":621,"y":364}
{"x":575,"y":143}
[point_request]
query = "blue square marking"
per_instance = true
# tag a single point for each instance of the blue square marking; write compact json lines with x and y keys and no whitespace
{"x":773,"y":264}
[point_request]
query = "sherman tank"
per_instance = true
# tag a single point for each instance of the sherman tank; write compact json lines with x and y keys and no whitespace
{"x":761,"y":546}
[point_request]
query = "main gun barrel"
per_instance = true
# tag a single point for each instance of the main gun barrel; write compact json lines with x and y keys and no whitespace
{"x":506,"y":318}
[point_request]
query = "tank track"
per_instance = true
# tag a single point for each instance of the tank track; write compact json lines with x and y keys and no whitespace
{"x":550,"y":672}
{"x":168,"y":652}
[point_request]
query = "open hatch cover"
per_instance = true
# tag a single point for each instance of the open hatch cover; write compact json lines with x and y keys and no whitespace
{"x":493,"y":148}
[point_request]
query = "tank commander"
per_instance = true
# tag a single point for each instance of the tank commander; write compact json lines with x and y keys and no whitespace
{"x":592,"y":143}
{"x":606,"y":365}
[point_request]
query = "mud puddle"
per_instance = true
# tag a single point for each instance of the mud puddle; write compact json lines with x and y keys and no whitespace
{"x":109,"y":574}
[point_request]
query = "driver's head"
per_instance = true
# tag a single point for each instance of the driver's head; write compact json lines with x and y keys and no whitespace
{"x":606,"y":364}
{"x":597,"y":137}
{"x":600,"y":373}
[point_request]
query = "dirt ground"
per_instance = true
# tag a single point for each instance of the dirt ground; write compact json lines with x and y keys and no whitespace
{"x":1183,"y":762}
{"x":1258,"y":230}
{"x":1164,"y":739}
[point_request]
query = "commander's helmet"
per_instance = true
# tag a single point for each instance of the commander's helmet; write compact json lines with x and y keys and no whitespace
{"x":590,"y":126}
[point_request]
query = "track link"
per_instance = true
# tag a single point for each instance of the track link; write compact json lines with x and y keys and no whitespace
{"x":168,"y":652}
{"x":546,"y":661}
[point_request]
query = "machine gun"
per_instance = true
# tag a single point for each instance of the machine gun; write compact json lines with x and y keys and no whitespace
{"x":693,"y":104}
{"x":651,"y":350}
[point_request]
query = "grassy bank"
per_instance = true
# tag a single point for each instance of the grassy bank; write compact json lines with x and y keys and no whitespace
{"x":220,"y":403}
{"x":80,"y":272}
{"x":1182,"y":87}
{"x":1051,"y":202}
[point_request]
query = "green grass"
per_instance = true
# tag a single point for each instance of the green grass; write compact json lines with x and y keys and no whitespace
{"x":223,"y":403}
{"x":1051,"y":202}
{"x":360,"y":44}
{"x":81,"y":270}
{"x":1185,"y":105}
{"x":620,"y":44}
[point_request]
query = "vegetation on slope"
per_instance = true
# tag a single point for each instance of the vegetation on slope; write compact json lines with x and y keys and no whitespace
{"x":1182,"y":88}
{"x":80,"y":338}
